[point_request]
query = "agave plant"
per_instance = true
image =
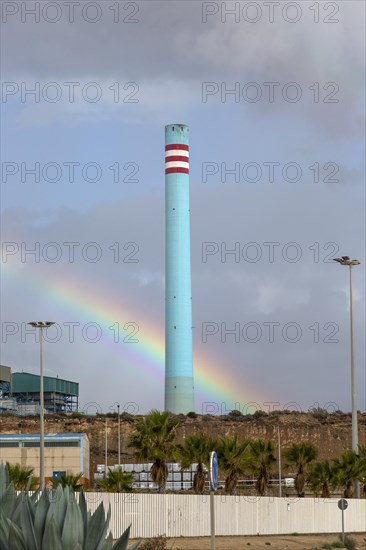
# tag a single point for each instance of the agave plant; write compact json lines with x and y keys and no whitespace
{"x":53,"y":520}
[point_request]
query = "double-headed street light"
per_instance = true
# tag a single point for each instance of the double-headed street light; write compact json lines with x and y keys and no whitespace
{"x":345,"y":260}
{"x":41,"y":325}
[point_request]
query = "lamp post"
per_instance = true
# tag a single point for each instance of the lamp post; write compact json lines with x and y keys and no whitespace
{"x":119,"y":438}
{"x":345,"y":260}
{"x":279,"y":462}
{"x":41,"y":325}
{"x":106,"y":448}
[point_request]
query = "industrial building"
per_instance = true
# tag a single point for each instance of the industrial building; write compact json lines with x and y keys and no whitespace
{"x":64,"y":453}
{"x":20,"y":393}
{"x":7,"y":403}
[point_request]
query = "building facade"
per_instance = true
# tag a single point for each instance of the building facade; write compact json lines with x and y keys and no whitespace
{"x":66,"y":453}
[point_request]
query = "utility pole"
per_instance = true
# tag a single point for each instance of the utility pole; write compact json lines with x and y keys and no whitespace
{"x":41,"y":325}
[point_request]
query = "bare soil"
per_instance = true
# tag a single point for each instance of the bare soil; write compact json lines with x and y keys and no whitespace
{"x":285,"y":542}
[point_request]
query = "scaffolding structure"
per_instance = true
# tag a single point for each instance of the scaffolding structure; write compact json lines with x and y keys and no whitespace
{"x":60,"y":396}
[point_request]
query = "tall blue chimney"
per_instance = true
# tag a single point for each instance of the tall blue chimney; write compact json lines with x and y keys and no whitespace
{"x":179,"y":390}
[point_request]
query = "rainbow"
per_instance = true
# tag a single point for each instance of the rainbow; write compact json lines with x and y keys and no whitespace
{"x":214,"y":383}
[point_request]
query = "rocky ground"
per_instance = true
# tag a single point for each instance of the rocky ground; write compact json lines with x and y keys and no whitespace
{"x":288,"y":542}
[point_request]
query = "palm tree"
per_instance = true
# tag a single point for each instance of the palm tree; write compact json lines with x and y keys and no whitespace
{"x":322,"y":477}
{"x":117,"y":481}
{"x":300,"y":455}
{"x":260,"y":460}
{"x":68,"y":480}
{"x":348,"y":468}
{"x":154,"y":440}
{"x":196,"y":448}
{"x":231,"y":458}
{"x":362,"y":457}
{"x":22,"y":478}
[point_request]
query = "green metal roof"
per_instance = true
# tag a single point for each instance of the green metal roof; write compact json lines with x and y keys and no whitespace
{"x":24,"y":382}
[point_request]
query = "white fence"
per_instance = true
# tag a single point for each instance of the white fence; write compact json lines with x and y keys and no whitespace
{"x":189,"y":515}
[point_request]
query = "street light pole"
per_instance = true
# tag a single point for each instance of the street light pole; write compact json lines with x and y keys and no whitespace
{"x":41,"y":325}
{"x":353,"y":377}
{"x":345,"y":260}
{"x":106,"y":448}
{"x":279,"y":462}
{"x":119,"y":438}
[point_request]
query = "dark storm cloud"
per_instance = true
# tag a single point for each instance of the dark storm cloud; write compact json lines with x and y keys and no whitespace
{"x":170,"y":52}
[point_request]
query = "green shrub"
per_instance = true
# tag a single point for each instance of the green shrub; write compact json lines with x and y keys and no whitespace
{"x":155,"y":543}
{"x":259,"y":414}
{"x":350,"y":543}
{"x":235,"y":413}
{"x":76,"y":414}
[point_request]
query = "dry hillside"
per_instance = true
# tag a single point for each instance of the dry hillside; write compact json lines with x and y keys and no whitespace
{"x":330,"y":433}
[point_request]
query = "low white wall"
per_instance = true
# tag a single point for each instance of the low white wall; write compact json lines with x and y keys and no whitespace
{"x":189,"y":515}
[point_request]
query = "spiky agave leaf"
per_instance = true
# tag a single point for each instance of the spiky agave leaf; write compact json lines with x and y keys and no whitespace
{"x":40,"y":517}
{"x":103,"y":533}
{"x":4,"y":531}
{"x":57,"y":508}
{"x":26,"y":524}
{"x":108,"y":543}
{"x":122,"y":542}
{"x":16,"y":539}
{"x":9,"y":501}
{"x":95,"y":527}
{"x":36,"y":495}
{"x":15,"y":516}
{"x":52,"y":537}
{"x":31,"y":505}
{"x":84,"y":511}
{"x":73,"y":527}
{"x":29,"y":484}
{"x":4,"y":479}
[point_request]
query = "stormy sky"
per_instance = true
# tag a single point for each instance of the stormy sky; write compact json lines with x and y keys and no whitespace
{"x":273,"y":93}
